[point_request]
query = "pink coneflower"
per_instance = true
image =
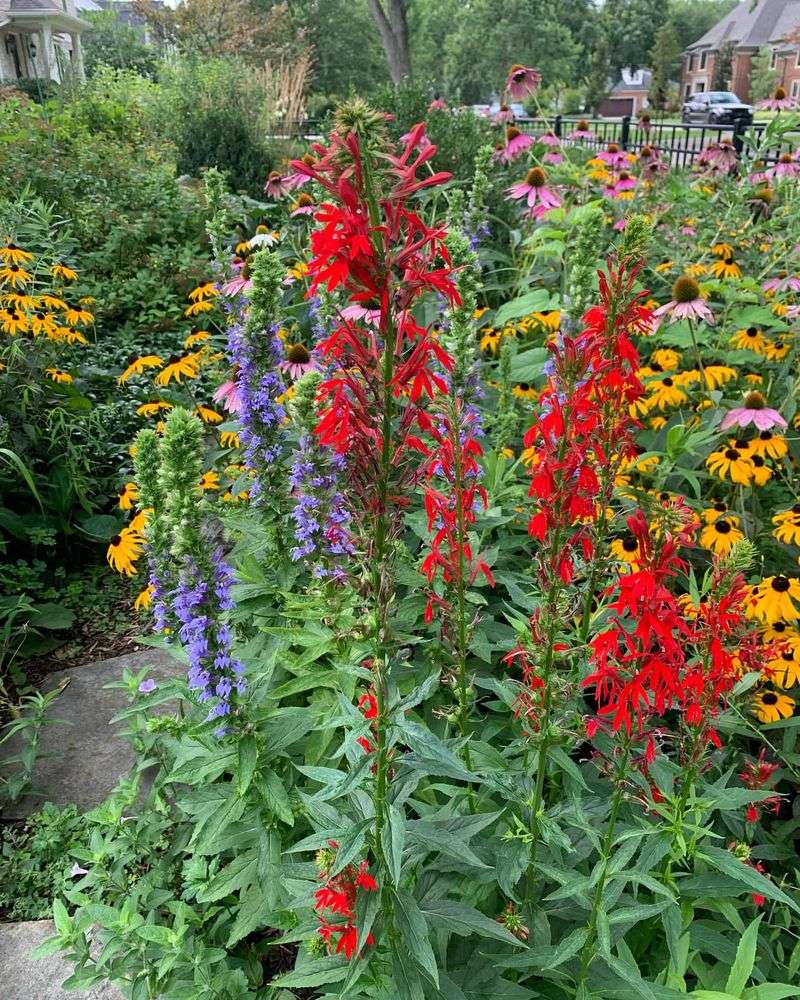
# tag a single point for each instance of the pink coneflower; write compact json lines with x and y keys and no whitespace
{"x":553,"y":158}
{"x":422,"y":141}
{"x":549,"y":139}
{"x":782,"y":282}
{"x":787,"y":166}
{"x":582,"y":131}
{"x":645,"y":122}
{"x":240,"y":282}
{"x":521,"y":81}
{"x":654,"y":169}
{"x":780,"y":101}
{"x":613,"y":155}
{"x":228,"y":395}
{"x":793,"y":312}
{"x":296,"y":180}
{"x":686,"y":303}
{"x":297,"y":362}
{"x":303,"y":205}
{"x":540,"y":197}
{"x":516,"y":142}
{"x":624,"y":182}
{"x":687,"y":230}
{"x":437,"y":104}
{"x":504,"y":115}
{"x":755,"y":411}
{"x":356,"y":311}
{"x":620,"y":224}
{"x":276,"y":185}
{"x":720,"y":155}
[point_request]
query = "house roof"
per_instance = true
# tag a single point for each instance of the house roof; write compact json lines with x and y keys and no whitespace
{"x":87,"y":6}
{"x":621,"y":87}
{"x":750,"y":27}
{"x":34,"y":12}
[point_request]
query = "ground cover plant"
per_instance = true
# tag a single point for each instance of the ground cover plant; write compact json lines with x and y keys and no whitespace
{"x":479,"y":542}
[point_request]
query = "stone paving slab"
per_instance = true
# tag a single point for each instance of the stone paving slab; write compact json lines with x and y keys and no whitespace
{"x":81,"y":761}
{"x":26,"y":978}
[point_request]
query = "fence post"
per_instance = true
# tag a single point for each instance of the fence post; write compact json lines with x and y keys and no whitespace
{"x":738,"y":136}
{"x":557,"y":126}
{"x":626,"y":131}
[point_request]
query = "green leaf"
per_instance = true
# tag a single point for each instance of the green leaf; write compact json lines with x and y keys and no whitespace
{"x":156,"y":933}
{"x":771,"y":991}
{"x":407,"y":983}
{"x":465,"y":920}
{"x":51,"y":616}
{"x":713,"y":995}
{"x":534,"y":301}
{"x":61,"y":917}
{"x":630,"y":976}
{"x":745,"y":958}
{"x":318,"y":972}
{"x":726,"y":863}
{"x":276,"y":796}
{"x":253,"y":914}
{"x":414,"y":930}
{"x":238,"y":873}
{"x":248,"y":758}
{"x":393,"y":839}
{"x":102,"y":526}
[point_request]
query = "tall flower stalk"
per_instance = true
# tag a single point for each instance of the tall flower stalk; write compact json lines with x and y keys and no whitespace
{"x":372,"y":247}
{"x":453,"y":494}
{"x":582,"y":432}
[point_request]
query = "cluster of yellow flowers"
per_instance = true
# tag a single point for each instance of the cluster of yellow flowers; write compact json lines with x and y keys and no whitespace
{"x":33,"y":303}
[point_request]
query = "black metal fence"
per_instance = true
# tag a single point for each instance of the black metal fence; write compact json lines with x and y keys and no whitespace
{"x":677,"y":143}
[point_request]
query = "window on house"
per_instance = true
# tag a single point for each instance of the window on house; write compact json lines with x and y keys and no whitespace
{"x":797,"y":60}
{"x":795,"y":92}
{"x":703,"y":57}
{"x":691,"y":63}
{"x":699,"y":88}
{"x":774,"y":59}
{"x":688,"y":92}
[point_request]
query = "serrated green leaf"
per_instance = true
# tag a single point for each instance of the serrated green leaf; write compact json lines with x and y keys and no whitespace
{"x":248,"y":758}
{"x":414,"y":930}
{"x":465,"y":920}
{"x":240,"y":872}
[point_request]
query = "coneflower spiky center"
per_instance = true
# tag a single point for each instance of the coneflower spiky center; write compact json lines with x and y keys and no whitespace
{"x":536,"y":177}
{"x":685,"y":289}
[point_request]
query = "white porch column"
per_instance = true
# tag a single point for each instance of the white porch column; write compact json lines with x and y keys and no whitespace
{"x":48,"y":59}
{"x":77,"y":57}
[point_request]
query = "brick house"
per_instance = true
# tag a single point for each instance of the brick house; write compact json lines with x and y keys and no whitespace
{"x":629,"y":94}
{"x":748,"y":28}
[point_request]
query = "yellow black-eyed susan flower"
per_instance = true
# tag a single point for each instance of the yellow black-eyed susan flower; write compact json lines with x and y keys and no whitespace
{"x":209,"y":480}
{"x":64,"y":272}
{"x":78,"y":316}
{"x":42,"y":323}
{"x":71,"y":335}
{"x":718,"y":509}
{"x":726,"y":267}
{"x":198,"y":307}
{"x":769,"y":445}
{"x":58,"y":375}
{"x":784,"y":669}
{"x":137,"y":365}
{"x":626,"y":549}
{"x":490,"y":339}
{"x":123,"y":551}
{"x":787,"y":524}
{"x":12,"y":254}
{"x":722,"y":250}
{"x":776,"y":350}
{"x":128,"y":495}
{"x":15,"y":276}
{"x":775,"y":597}
{"x":48,"y":301}
{"x":666,"y":358}
{"x":153,"y":408}
{"x":718,"y":375}
{"x":771,"y":706}
{"x":524,"y":391}
{"x":179,"y":366}
{"x":229,"y":439}
{"x":664,"y":393}
{"x":664,"y":265}
{"x":779,"y":631}
{"x":762,"y":471}
{"x":196,"y":337}
{"x":139,"y":521}
{"x":205,"y":290}
{"x":207,"y":415}
{"x":750,"y":339}
{"x":13,"y":321}
{"x":144,"y":598}
{"x":731,"y":463}
{"x":720,"y":536}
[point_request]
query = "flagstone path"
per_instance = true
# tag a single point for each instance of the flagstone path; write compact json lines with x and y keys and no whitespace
{"x":81,"y":759}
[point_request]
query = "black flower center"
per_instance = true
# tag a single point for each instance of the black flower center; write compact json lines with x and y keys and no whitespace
{"x":780,"y":583}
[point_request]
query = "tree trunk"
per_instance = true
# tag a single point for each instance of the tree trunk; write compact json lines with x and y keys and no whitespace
{"x":393,"y":28}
